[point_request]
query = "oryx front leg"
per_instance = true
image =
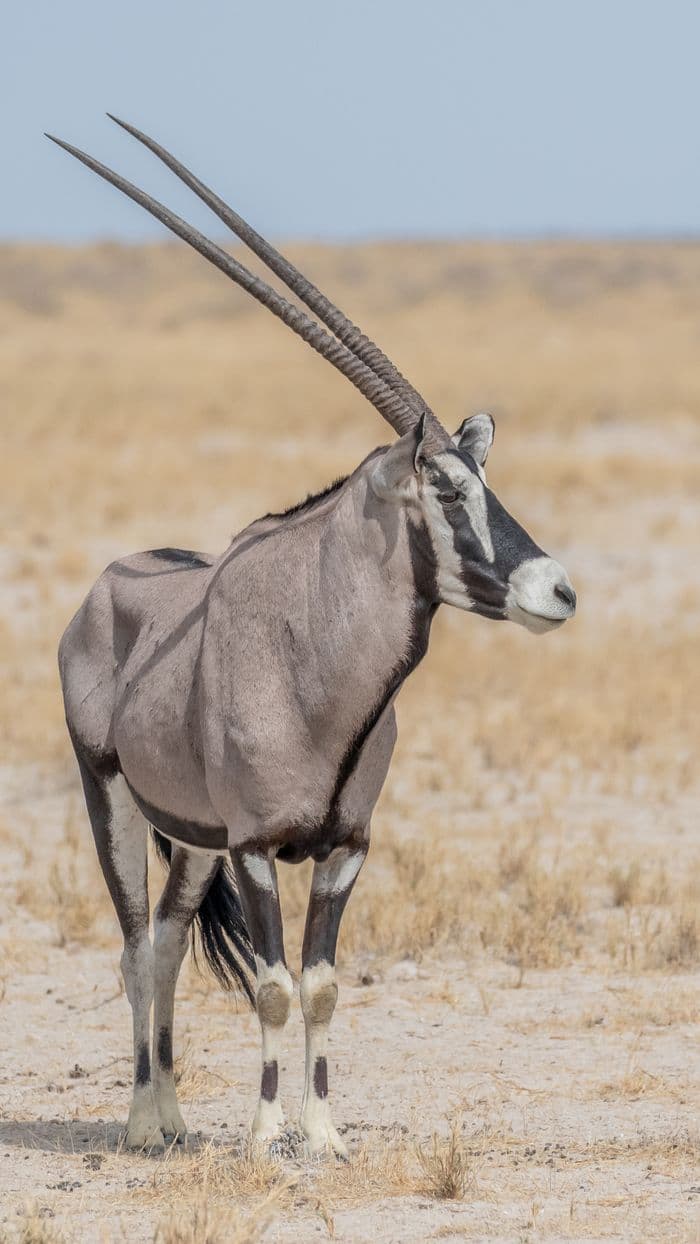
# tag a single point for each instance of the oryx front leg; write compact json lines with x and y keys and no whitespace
{"x":330,"y":889}
{"x":256,"y":879}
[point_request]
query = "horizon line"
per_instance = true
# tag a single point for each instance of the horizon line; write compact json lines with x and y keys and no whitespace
{"x":477,"y":237}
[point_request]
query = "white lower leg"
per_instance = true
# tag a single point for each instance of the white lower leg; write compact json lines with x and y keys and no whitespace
{"x":170,"y":944}
{"x":319,"y":993}
{"x":273,"y":999}
{"x":143,"y":1127}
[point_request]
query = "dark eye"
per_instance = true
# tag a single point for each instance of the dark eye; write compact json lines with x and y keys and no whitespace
{"x":448,"y":498}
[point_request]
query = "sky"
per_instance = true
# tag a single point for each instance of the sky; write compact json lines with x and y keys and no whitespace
{"x":370,"y":119}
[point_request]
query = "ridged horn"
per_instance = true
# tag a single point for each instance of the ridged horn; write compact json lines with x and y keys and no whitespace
{"x":310,"y":294}
{"x":390,"y":404}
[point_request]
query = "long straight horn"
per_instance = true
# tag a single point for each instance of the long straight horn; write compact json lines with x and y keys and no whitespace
{"x":390,"y":404}
{"x":327,"y":312}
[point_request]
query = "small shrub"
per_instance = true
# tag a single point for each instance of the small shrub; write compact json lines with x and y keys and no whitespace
{"x":446,"y":1166}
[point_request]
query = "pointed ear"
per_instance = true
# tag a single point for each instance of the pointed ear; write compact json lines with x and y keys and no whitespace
{"x":395,"y":471}
{"x":475,"y":437}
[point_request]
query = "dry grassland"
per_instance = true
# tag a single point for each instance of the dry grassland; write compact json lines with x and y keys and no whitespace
{"x":515,"y":1054}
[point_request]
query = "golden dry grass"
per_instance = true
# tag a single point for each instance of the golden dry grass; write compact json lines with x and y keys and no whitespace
{"x":134,"y":418}
{"x":200,"y":1225}
{"x":446,"y":1165}
{"x":32,"y":1228}
{"x":194,"y":1081}
{"x":380,"y":1165}
{"x":63,"y":887}
{"x":222,"y":1173}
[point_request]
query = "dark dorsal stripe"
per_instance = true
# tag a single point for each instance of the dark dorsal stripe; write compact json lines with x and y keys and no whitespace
{"x":185,"y":557}
{"x":314,"y":498}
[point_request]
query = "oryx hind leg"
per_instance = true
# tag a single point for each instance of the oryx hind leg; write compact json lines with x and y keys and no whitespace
{"x":330,"y":889}
{"x":121,"y":838}
{"x":190,"y":876}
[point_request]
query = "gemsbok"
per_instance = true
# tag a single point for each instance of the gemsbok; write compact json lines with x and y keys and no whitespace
{"x":243,"y":705}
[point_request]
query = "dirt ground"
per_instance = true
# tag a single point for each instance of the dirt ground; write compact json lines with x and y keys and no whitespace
{"x":514,"y":1056}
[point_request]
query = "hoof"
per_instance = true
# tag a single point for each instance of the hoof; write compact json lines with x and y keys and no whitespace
{"x":263,"y":1140}
{"x":325,"y":1140}
{"x":145,"y":1140}
{"x":173,"y":1127}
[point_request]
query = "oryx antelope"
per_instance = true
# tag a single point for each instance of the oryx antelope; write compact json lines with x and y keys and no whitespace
{"x":243,"y":704}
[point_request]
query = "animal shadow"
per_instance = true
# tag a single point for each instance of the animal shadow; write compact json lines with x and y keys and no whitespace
{"x":80,"y":1136}
{"x":62,"y":1136}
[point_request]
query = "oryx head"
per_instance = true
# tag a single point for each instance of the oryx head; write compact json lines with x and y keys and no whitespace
{"x":483,"y":559}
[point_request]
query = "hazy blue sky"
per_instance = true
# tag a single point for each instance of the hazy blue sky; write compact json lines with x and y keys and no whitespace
{"x":371,"y":118}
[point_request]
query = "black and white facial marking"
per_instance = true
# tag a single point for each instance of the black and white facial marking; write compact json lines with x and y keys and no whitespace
{"x":485,"y":561}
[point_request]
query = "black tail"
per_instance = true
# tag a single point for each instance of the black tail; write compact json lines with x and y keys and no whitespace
{"x":219,"y":929}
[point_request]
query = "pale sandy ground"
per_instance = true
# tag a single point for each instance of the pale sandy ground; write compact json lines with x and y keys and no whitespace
{"x":548,"y":1152}
{"x":575,"y":1086}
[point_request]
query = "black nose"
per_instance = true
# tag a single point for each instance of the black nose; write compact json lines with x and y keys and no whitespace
{"x":566,"y":593}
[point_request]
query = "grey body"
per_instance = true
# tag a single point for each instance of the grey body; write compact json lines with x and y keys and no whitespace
{"x":243,"y":705}
{"x":229,"y":689}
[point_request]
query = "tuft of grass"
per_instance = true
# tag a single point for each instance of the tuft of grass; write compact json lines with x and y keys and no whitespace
{"x":203,"y":1223}
{"x":446,"y":1166}
{"x":665,"y":939}
{"x":538,"y":927}
{"x":634,"y":1084}
{"x":68,"y":891}
{"x":194,"y":1082}
{"x":382,"y":1165}
{"x":33,"y":1227}
{"x":222,"y":1173}
{"x":633,"y":884}
{"x":75,"y":909}
{"x":678,"y":945}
